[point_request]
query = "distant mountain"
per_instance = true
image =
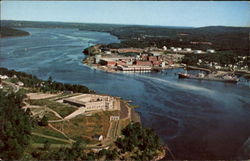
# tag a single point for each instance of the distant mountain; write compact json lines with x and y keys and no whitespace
{"x":10,"y":32}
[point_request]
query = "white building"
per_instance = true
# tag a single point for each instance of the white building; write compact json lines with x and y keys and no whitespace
{"x":163,"y":64}
{"x":97,"y":58}
{"x":164,"y":48}
{"x":217,"y":67}
{"x":20,"y":83}
{"x":114,"y":118}
{"x":187,"y":49}
{"x":108,"y":52}
{"x":197,"y":51}
{"x":4,"y":77}
{"x":178,"y":49}
{"x":210,"y":51}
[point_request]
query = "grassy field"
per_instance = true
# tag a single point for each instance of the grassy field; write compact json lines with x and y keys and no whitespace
{"x":42,"y":140}
{"x":85,"y":127}
{"x":48,"y":131}
{"x":61,"y":108}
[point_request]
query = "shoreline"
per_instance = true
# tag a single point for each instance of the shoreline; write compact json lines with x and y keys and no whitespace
{"x":109,"y":70}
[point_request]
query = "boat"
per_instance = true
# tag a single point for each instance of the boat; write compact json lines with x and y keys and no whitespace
{"x":227,"y":79}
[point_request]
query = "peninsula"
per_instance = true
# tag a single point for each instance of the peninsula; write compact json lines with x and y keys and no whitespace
{"x":68,"y":118}
{"x":11,"y":32}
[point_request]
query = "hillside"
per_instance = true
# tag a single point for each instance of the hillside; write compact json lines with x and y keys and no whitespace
{"x":220,"y":38}
{"x":10,"y":32}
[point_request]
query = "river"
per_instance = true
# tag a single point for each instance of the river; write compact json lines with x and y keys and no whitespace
{"x":197,"y":120}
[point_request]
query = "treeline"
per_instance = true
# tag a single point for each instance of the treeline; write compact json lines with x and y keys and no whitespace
{"x":235,"y":39}
{"x":10,"y":32}
{"x":220,"y":58}
{"x":15,"y":126}
{"x":41,"y":85}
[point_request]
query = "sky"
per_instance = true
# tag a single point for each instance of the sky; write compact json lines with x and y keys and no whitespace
{"x":163,"y":13}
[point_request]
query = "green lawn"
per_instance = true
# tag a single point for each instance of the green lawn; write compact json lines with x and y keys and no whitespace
{"x":48,"y":131}
{"x":42,"y":140}
{"x":61,"y":108}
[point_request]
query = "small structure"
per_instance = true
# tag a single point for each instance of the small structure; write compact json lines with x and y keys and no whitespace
{"x":98,"y":137}
{"x":210,"y":51}
{"x":20,"y":83}
{"x":4,"y":77}
{"x":198,"y":52}
{"x":163,"y":64}
{"x":164,"y":48}
{"x":114,"y":118}
{"x":97,"y":58}
{"x":178,"y":49}
{"x":187,"y":49}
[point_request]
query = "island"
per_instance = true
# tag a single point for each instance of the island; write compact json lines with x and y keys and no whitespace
{"x":48,"y":120}
{"x":11,"y":32}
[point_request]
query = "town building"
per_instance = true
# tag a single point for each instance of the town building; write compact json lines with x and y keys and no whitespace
{"x":134,"y":68}
{"x":164,"y":48}
{"x":4,"y":77}
{"x":198,"y":52}
{"x":143,"y":63}
{"x":210,"y":51}
{"x":188,"y":49}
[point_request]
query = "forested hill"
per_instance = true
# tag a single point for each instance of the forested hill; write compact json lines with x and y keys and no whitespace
{"x":10,"y":32}
{"x":221,"y":38}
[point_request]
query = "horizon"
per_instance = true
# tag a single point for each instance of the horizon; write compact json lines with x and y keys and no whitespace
{"x":123,"y":24}
{"x":154,"y":13}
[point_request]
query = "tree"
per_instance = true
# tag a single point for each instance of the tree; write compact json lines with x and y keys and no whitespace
{"x":46,"y":145}
{"x":44,"y":121}
{"x":15,"y":127}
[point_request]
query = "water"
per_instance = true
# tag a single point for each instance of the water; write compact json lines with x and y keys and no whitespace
{"x":198,"y":120}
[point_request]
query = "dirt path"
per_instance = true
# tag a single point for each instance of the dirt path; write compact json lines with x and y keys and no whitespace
{"x":51,"y":126}
{"x":75,"y":113}
{"x":51,"y":137}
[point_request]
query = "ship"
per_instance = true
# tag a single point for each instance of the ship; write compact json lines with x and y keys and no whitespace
{"x":201,"y":76}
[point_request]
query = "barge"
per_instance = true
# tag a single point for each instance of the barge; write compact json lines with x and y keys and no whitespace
{"x":227,"y":79}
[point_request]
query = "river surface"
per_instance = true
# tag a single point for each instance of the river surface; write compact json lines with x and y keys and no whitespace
{"x":197,"y":120}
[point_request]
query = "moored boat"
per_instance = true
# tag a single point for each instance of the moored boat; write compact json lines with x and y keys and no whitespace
{"x":227,"y":79}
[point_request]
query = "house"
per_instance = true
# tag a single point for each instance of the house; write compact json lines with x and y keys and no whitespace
{"x":210,"y":51}
{"x":197,"y":51}
{"x":164,"y":48}
{"x":178,"y":49}
{"x":217,"y":67}
{"x":4,"y":77}
{"x":187,"y":49}
{"x":20,"y":83}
